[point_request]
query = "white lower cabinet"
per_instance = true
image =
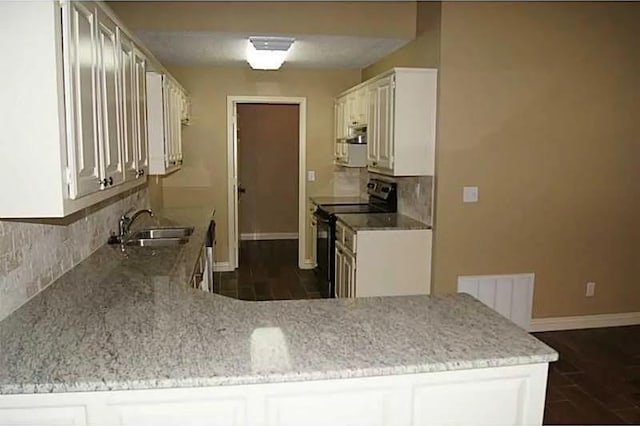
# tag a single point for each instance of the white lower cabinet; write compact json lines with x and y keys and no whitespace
{"x":511,"y":395}
{"x":375,"y":263}
{"x":312,"y":236}
{"x":40,"y":416}
{"x":209,"y":412}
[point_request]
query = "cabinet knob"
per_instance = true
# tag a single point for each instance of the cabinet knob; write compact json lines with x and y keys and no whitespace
{"x":110,"y":180}
{"x":375,"y":163}
{"x":139,"y":172}
{"x":102,"y":182}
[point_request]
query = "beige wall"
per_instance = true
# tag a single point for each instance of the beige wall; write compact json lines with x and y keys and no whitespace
{"x":376,"y":19}
{"x":268,"y":142}
{"x":424,"y":51}
{"x":539,"y":108}
{"x":203,"y":179}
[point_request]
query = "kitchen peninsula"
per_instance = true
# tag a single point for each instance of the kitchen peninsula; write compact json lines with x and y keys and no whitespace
{"x":121,"y":339}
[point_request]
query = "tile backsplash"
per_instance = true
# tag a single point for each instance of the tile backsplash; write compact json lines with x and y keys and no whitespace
{"x":34,"y":253}
{"x":346,"y":181}
{"x":415,"y":197}
{"x":415,"y":194}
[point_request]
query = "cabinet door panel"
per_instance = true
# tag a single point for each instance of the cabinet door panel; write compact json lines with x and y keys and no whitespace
{"x":385,"y":124}
{"x":363,"y":104}
{"x":178,"y":124}
{"x":373,"y":139}
{"x":142,"y":148}
{"x":498,"y":401}
{"x":109,"y":109}
{"x":168,"y":127}
{"x":372,"y":407}
{"x":128,"y":107}
{"x":197,"y":413}
{"x":80,"y":47}
{"x":338,"y":273}
{"x":350,"y":275}
{"x":38,"y":416}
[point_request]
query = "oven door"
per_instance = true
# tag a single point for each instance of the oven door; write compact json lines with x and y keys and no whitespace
{"x":324,"y":253}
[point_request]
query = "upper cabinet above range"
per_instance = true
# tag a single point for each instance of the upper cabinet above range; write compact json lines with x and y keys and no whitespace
{"x":398,"y":109}
{"x":74,"y":107}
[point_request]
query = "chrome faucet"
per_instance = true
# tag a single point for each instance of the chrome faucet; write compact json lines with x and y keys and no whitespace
{"x":124,"y":226}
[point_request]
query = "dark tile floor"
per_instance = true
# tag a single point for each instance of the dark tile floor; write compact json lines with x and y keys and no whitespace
{"x":268,"y":271}
{"x":597,"y":379}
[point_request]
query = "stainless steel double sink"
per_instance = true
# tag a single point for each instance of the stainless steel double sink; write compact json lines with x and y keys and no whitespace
{"x":159,"y":237}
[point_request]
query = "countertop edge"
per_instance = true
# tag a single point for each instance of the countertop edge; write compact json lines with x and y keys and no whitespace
{"x":269,"y":378}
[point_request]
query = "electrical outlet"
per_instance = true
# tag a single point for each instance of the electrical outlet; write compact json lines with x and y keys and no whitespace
{"x":591,"y":289}
{"x":311,"y":175}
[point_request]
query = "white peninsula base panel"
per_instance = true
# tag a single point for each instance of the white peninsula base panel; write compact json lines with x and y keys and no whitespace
{"x":512,"y":395}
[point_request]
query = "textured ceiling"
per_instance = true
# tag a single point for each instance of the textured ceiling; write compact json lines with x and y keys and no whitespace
{"x":308,"y":51}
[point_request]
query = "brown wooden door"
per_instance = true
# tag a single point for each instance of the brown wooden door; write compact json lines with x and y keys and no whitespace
{"x":268,"y":169}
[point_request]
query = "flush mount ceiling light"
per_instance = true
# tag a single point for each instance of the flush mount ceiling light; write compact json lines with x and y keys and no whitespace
{"x":268,"y":53}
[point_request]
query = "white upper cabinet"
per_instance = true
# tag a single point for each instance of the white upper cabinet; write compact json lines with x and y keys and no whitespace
{"x":399,"y":110}
{"x":383,"y":142}
{"x":109,"y":116}
{"x":128,"y":106}
{"x":78,"y":135}
{"x":81,"y":54}
{"x":140,"y":101}
{"x":165,"y":107}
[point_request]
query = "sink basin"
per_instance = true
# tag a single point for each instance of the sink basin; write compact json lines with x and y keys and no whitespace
{"x":161,"y":233}
{"x":156,"y":242}
{"x":159,"y":237}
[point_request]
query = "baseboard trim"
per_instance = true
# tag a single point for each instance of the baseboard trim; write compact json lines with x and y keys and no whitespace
{"x":222,"y":267}
{"x":259,"y":236}
{"x":584,"y":321}
{"x":307,"y":264}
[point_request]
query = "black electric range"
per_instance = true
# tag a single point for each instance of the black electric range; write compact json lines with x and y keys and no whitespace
{"x":382,"y":199}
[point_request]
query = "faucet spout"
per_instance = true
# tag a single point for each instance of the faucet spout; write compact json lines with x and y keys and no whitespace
{"x":126,"y":222}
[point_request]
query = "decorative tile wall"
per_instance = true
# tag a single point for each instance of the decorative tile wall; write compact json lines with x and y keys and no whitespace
{"x":34,"y":253}
{"x":346,"y":181}
{"x":415,"y":197}
{"x":415,"y":194}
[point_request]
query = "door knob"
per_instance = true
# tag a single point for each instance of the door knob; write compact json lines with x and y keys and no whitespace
{"x":241,"y":189}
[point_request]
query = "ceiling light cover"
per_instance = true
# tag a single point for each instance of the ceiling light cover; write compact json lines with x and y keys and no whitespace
{"x":268,"y":53}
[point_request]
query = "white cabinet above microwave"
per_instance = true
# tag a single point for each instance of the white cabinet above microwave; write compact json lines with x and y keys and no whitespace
{"x":400,"y":118}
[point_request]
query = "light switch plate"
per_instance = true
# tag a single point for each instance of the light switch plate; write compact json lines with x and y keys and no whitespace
{"x":311,"y":175}
{"x":470,"y":194}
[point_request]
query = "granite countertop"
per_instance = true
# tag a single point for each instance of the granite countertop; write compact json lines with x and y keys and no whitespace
{"x":128,"y":320}
{"x":337,"y":200}
{"x":379,"y":221}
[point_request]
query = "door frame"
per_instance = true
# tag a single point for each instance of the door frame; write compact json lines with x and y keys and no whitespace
{"x":232,"y":171}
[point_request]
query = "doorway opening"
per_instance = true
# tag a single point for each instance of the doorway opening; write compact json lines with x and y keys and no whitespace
{"x":267,"y":142}
{"x":266,"y":152}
